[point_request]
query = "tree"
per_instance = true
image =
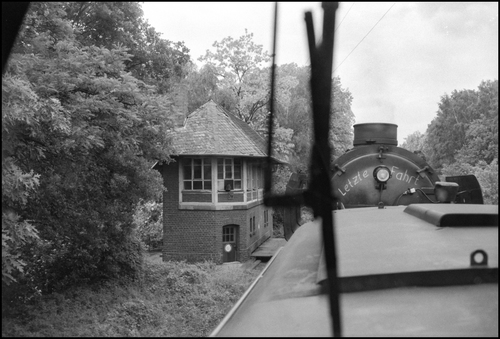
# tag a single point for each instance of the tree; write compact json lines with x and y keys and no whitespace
{"x":470,"y":119}
{"x":447,"y":133}
{"x":414,"y":142}
{"x":237,"y":66}
{"x":294,"y":111}
{"x":154,"y":60}
{"x":16,"y":188}
{"x":342,"y":119}
{"x":481,"y":136}
{"x":80,"y":135}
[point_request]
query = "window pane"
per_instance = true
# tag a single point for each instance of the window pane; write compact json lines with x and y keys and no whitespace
{"x":220,"y":169}
{"x":249,"y":177}
{"x":187,"y":169}
{"x":197,"y":172}
{"x":187,"y":185}
{"x":229,"y":170}
{"x":197,"y":162}
{"x":220,"y":185}
{"x":255,"y":172}
{"x":207,"y":172}
{"x":207,"y":185}
{"x":237,"y":171}
{"x":237,"y":184}
{"x":197,"y":185}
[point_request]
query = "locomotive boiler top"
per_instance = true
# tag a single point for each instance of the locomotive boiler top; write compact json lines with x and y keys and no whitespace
{"x":410,"y":178}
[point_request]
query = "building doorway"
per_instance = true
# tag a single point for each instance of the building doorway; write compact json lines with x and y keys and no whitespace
{"x":229,"y":243}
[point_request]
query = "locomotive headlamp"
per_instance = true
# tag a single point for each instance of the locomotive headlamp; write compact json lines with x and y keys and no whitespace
{"x":382,"y":174}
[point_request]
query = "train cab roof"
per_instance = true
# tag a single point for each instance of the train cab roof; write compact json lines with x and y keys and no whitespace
{"x":402,"y":272}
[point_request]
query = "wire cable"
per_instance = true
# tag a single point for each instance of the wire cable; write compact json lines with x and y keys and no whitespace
{"x":344,"y":17}
{"x":364,"y":37}
{"x":425,"y":195}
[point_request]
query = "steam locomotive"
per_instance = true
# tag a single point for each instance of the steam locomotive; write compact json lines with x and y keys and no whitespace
{"x":376,"y":172}
{"x":393,"y":250}
{"x":417,"y":256}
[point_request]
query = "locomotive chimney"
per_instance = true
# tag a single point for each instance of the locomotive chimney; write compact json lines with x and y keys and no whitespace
{"x":375,"y":133}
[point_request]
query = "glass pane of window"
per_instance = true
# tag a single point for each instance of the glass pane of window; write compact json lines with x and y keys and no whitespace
{"x":249,"y":177}
{"x":237,"y":171}
{"x":197,"y":162}
{"x":220,"y":169}
{"x":207,"y":172}
{"x":207,"y":184}
{"x":197,"y":172}
{"x":187,"y":185}
{"x":187,"y":169}
{"x":220,"y":185}
{"x":255,"y":173}
{"x":229,"y":170}
{"x":237,"y":184}
{"x":197,"y":185}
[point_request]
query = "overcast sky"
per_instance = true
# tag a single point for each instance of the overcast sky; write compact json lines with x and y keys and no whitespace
{"x":414,"y":53}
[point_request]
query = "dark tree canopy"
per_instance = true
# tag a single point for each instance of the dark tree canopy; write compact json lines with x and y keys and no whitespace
{"x":154,"y":60}
{"x":467,"y":118}
{"x":80,"y":133}
{"x":463,"y":138}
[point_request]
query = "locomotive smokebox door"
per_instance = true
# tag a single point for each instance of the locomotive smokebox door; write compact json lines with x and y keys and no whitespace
{"x":229,"y":243}
{"x":376,"y":172}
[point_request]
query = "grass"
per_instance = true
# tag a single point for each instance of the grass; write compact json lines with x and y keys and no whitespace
{"x":173,"y":299}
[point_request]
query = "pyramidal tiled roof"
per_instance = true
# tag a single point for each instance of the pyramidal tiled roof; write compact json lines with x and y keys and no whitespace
{"x":210,"y":130}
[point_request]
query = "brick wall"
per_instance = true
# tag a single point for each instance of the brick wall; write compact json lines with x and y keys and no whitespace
{"x":230,"y":197}
{"x":196,"y":197}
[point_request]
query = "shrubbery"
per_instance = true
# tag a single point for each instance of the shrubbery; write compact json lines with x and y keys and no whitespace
{"x":148,"y":220}
{"x":171,"y":299}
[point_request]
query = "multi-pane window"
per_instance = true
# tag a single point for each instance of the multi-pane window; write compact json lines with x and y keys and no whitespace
{"x":228,"y":172}
{"x":252,"y":226}
{"x":254,"y":179}
{"x":197,"y":174}
{"x":266,"y":218}
{"x":228,"y":234}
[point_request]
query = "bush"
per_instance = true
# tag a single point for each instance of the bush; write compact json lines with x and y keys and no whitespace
{"x":148,"y":220}
{"x":171,"y":299}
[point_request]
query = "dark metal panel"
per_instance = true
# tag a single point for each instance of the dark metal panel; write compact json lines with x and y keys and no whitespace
{"x":375,"y":133}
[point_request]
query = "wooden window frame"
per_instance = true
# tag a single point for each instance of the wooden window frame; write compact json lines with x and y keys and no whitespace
{"x":193,"y":178}
{"x":252,"y":226}
{"x":231,"y":164}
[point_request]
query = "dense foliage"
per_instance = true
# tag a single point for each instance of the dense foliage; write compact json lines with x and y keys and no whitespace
{"x":463,"y":137}
{"x":236,"y":77}
{"x":173,"y":299}
{"x":80,"y":133}
{"x":148,"y":220}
